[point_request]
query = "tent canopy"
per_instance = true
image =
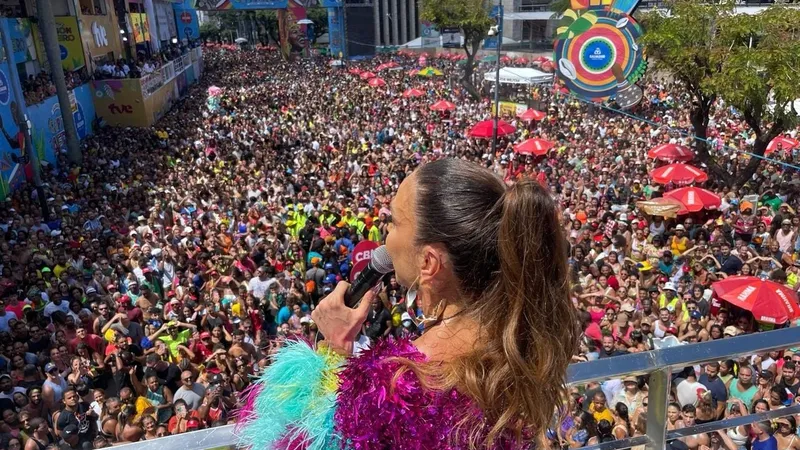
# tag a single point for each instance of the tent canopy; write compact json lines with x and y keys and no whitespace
{"x":520,"y":75}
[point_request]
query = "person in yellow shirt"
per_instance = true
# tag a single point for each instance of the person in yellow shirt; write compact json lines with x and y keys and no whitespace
{"x":349,"y":218}
{"x":374,"y":230}
{"x":599,"y":409}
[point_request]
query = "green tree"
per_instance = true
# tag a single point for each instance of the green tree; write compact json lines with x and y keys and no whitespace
{"x":747,"y":61}
{"x":472,"y":17}
{"x":209,"y":31}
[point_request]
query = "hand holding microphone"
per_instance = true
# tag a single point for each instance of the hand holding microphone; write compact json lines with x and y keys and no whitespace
{"x":337,"y":317}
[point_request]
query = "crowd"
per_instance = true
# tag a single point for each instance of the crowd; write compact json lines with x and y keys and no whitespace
{"x":36,"y":88}
{"x":180,"y":257}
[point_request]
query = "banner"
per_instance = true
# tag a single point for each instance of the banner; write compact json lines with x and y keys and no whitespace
{"x":100,"y":34}
{"x":186,"y":21}
{"x":47,"y":124}
{"x":165,"y":21}
{"x":69,"y":44}
{"x":335,"y":31}
{"x":511,"y":108}
{"x":119,"y":102}
{"x":12,"y":174}
{"x":21,"y":40}
{"x":429,"y":34}
{"x":222,"y":5}
{"x":451,"y":37}
{"x":141,"y":28}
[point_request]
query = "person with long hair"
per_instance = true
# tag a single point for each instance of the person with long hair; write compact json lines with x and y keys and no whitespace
{"x":486,"y":265}
{"x":622,"y":422}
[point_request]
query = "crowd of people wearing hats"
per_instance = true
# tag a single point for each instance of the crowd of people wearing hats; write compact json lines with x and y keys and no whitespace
{"x":178,"y":258}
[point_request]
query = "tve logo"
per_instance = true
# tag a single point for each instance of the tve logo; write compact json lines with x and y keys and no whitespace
{"x":99,"y":33}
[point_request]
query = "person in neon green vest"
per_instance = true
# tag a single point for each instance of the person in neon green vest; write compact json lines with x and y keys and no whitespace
{"x":349,"y":218}
{"x":375,"y":231}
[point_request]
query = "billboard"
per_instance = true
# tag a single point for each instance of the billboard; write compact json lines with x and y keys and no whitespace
{"x":223,"y":5}
{"x":186,"y":20}
{"x":141,"y":27}
{"x":336,"y":31}
{"x":119,"y":102}
{"x":12,"y":174}
{"x":21,"y":40}
{"x":47,"y":124}
{"x":69,"y":43}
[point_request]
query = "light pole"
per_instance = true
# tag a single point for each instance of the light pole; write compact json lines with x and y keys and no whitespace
{"x":497,"y":32}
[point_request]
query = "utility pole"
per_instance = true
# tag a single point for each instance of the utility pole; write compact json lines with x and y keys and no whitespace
{"x":20,"y":114}
{"x":47,"y":25}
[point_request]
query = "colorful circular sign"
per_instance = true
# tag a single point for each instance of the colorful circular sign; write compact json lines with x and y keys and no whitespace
{"x":186,"y":17}
{"x":597,"y":54}
{"x":5,"y":89}
{"x":64,"y":51}
{"x":362,"y":254}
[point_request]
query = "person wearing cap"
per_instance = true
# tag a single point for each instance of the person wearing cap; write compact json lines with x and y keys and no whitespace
{"x":692,"y":330}
{"x":669,"y":299}
{"x":54,"y":386}
{"x":172,"y":336}
{"x":679,"y":242}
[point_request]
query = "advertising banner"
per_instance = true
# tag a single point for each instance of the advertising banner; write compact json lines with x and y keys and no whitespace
{"x":21,"y":40}
{"x":511,"y":108}
{"x":119,"y":102}
{"x":12,"y":174}
{"x":69,"y":43}
{"x":429,"y":34}
{"x":47,"y":124}
{"x":335,"y":31}
{"x":141,"y":28}
{"x":101,"y":36}
{"x":163,"y":20}
{"x":186,"y":20}
{"x":222,"y":5}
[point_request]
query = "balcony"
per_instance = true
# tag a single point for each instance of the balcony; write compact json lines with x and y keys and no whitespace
{"x":658,"y":364}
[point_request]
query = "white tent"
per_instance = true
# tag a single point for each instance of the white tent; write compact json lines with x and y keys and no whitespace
{"x":436,"y":43}
{"x":519,"y":75}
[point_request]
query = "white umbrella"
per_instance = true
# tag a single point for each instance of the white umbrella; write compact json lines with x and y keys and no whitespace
{"x":240,"y":40}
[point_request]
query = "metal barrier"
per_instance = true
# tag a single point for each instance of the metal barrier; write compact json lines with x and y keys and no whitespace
{"x":659,"y":364}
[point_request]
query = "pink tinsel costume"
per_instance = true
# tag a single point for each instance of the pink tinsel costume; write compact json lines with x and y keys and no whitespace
{"x":357,"y":409}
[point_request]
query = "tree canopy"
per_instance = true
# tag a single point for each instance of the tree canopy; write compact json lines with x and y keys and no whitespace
{"x":748,"y":61}
{"x":471,"y":17}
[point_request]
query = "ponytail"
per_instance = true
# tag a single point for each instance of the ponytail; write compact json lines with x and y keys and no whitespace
{"x":507,"y":250}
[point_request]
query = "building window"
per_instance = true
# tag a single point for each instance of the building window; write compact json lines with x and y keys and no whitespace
{"x":93,"y":7}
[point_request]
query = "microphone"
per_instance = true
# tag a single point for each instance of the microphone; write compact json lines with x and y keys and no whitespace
{"x":379,"y":265}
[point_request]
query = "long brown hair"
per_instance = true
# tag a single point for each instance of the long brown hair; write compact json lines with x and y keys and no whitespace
{"x":510,"y":256}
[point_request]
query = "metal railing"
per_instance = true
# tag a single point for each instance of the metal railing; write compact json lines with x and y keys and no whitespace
{"x":658,"y":364}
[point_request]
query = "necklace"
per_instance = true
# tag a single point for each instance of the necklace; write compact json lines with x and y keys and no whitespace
{"x":444,"y":320}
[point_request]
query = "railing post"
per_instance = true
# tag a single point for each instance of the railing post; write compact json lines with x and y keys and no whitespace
{"x":657,"y":401}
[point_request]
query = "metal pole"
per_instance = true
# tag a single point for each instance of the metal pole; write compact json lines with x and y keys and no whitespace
{"x":497,"y":79}
{"x":20,"y":114}
{"x":47,"y":25}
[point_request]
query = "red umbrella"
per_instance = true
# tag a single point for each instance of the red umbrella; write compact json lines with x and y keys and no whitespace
{"x":505,"y":59}
{"x":354,"y":71}
{"x":695,"y":198}
{"x":678,"y":174}
{"x":388,"y":65}
{"x":377,"y":82}
{"x":671,"y":152}
{"x":542,"y":59}
{"x":367,"y":75}
{"x":443,"y":105}
{"x":786,"y":143}
{"x":533,"y":146}
{"x":412,"y":72}
{"x":532,"y":114}
{"x":413,"y":93}
{"x":522,"y":60}
{"x":484,"y":129}
{"x":548,"y":66}
{"x":422,"y":61}
{"x":560,"y":90}
{"x":768,"y":301}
